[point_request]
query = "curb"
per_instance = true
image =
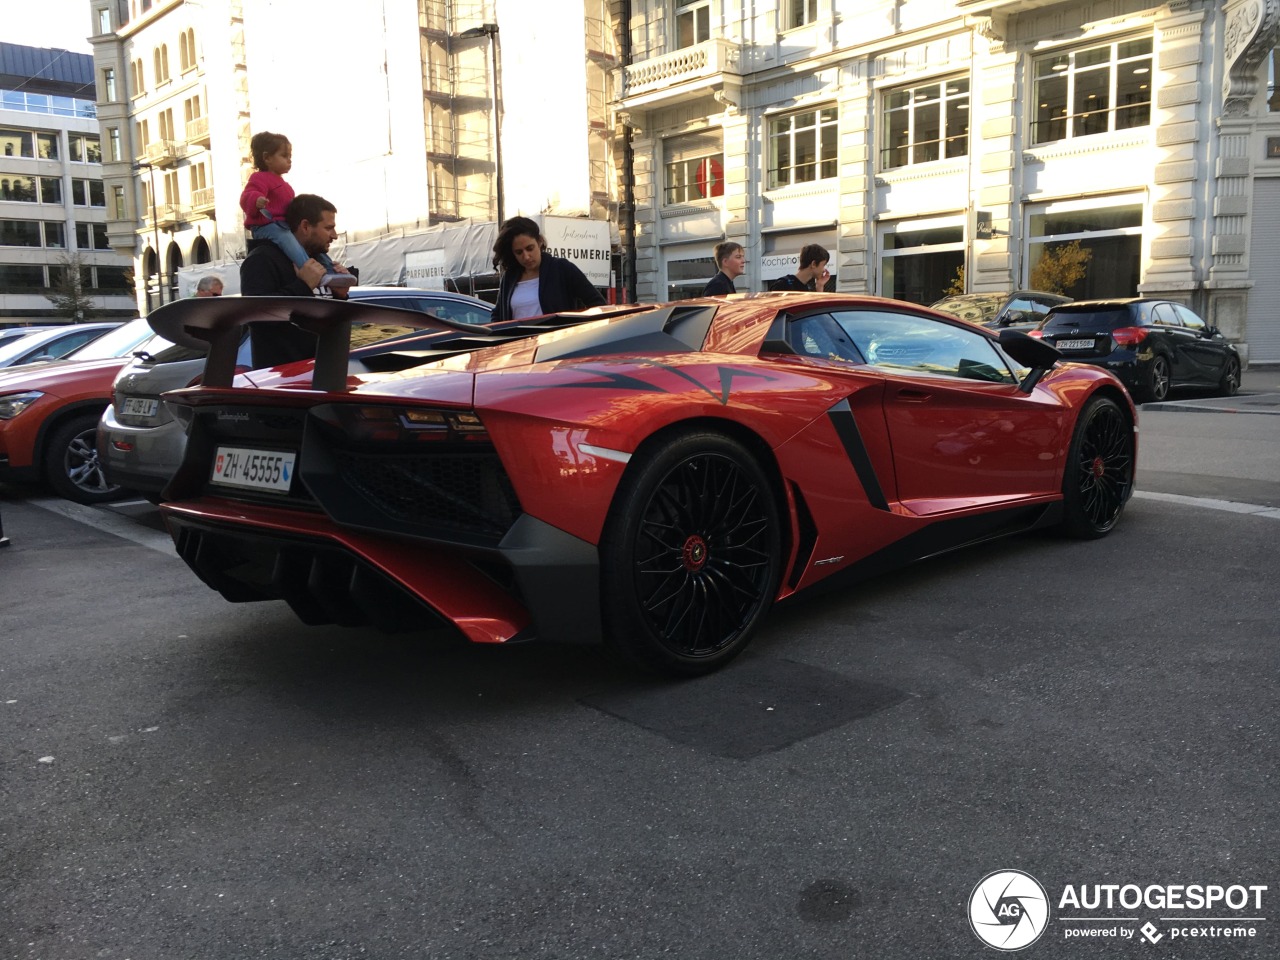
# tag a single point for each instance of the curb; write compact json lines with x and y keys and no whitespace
{"x":1264,"y":404}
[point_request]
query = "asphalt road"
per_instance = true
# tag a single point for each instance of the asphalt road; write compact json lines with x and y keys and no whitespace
{"x":183,"y":777}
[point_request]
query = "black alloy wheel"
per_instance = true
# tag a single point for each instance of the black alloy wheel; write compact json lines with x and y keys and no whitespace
{"x":691,"y":555}
{"x":1229,"y":385}
{"x":1098,"y":478}
{"x":72,"y":466}
{"x":1157,"y":379}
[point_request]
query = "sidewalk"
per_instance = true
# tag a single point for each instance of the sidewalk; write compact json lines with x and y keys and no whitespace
{"x":1259,"y":393}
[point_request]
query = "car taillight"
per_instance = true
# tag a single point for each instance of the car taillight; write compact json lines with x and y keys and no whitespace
{"x":1035,"y":333}
{"x":1128,"y":336}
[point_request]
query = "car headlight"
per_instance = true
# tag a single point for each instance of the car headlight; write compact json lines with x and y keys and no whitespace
{"x":14,"y":403}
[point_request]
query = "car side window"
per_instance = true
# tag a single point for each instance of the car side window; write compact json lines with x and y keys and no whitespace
{"x":1187,"y":318}
{"x":820,"y":336}
{"x":905,"y":343}
{"x":64,"y":345}
{"x":1163,"y":314}
{"x":461,"y":312}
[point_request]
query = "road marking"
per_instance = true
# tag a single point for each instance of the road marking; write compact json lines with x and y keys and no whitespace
{"x":1228,"y":506}
{"x":108,"y":522}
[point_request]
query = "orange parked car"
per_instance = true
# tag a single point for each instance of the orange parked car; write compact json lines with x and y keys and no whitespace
{"x":49,"y":414}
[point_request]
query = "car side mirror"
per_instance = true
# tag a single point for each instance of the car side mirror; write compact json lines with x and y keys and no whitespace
{"x":1210,"y":331}
{"x":1015,"y":316}
{"x":1030,"y":352}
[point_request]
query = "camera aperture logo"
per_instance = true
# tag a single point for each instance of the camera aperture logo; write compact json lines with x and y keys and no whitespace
{"x":1009,"y":910}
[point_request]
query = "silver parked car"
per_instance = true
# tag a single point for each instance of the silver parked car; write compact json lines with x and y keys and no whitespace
{"x":51,"y":343}
{"x":140,"y":445}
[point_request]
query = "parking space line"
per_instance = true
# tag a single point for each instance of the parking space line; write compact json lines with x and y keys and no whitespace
{"x":1228,"y":506}
{"x":107,"y":522}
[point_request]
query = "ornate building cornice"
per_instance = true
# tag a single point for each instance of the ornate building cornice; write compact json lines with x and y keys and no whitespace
{"x":1251,"y":32}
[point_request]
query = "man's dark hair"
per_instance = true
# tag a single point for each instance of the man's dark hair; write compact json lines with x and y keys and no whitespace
{"x":503,"y":257}
{"x":726,"y":249}
{"x":813,"y":253}
{"x":306,"y":206}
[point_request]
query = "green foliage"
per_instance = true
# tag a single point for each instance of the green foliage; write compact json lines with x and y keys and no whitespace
{"x":957,"y":285}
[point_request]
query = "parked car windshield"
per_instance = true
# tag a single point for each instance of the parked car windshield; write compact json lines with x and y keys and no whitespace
{"x":115,"y":343}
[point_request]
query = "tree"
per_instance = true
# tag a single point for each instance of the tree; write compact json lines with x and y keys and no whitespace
{"x":957,"y":284}
{"x":69,"y":293}
{"x":1061,"y":266}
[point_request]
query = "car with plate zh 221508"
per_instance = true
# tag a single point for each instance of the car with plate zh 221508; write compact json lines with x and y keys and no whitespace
{"x":140,"y":444}
{"x":1153,"y":346}
{"x":654,"y":476}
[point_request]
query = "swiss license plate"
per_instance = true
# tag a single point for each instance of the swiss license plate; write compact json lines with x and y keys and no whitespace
{"x":270,"y":470}
{"x":1075,"y":344}
{"x":140,"y":407}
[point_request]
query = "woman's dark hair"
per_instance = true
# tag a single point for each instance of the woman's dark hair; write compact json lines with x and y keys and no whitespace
{"x":264,"y":144}
{"x":503,"y":258}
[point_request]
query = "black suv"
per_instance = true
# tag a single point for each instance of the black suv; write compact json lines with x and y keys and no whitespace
{"x":1151,"y":345}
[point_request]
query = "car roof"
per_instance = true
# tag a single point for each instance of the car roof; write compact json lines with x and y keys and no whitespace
{"x":1110,"y":303}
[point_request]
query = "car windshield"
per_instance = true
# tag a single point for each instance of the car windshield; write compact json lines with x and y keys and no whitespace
{"x":1106,"y":319}
{"x":115,"y":343}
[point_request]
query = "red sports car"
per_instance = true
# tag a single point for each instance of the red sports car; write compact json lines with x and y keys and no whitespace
{"x":652,"y":476}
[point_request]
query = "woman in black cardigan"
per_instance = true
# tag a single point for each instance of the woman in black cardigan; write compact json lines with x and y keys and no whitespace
{"x":533,"y":281}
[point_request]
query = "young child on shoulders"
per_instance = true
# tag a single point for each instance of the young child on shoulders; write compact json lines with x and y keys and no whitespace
{"x":267,"y":194}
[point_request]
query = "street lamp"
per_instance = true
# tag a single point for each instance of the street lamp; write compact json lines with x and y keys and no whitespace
{"x":490,"y":30}
{"x":155,"y":226}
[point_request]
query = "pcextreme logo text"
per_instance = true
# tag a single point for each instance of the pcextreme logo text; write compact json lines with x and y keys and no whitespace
{"x":1010,"y":910}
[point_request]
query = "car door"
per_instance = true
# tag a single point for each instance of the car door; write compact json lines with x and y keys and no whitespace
{"x":1206,"y":351}
{"x":962,"y":432}
{"x":1176,"y":340}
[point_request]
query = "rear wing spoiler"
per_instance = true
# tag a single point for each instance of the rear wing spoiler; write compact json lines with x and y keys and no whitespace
{"x":215,"y":324}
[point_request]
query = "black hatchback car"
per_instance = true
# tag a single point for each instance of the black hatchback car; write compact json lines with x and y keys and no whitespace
{"x":1151,"y":345}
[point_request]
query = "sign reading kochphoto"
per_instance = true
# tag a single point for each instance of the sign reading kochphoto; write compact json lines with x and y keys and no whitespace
{"x":585,"y":242}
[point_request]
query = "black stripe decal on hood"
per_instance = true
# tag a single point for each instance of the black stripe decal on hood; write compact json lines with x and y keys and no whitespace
{"x":847,"y":430}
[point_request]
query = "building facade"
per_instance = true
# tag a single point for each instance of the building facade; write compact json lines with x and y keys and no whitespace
{"x":1112,"y":148}
{"x":52,"y":203}
{"x":398,"y":115}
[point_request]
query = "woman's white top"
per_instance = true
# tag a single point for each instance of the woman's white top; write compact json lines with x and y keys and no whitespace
{"x":524,"y":300}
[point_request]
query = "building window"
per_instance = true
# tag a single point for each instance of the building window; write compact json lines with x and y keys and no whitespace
{"x":15,"y":278}
{"x":16,"y":143}
{"x":47,"y":146}
{"x":160,"y":61}
{"x":92,"y":236}
{"x":687,"y":278}
{"x":1102,"y":237}
{"x":84,"y":148}
{"x":199,"y":178}
{"x":138,"y":78}
{"x":50,"y":189}
{"x":113,"y":139}
{"x":800,"y":13}
{"x":1094,"y":90}
{"x":693,"y":22}
{"x":19,"y":233}
{"x":920,"y":259}
{"x":115,"y":279}
{"x":802,"y":147}
{"x":925,"y":123}
{"x":142,"y":131}
{"x":693,"y":168}
{"x":55,"y":234}
{"x":171,"y":193}
{"x":18,"y":189}
{"x":109,"y":84}
{"x":119,"y":209}
{"x":166,"y":125}
{"x":187,"y":49}
{"x":88,"y":193}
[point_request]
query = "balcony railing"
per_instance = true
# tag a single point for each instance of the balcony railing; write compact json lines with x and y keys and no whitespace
{"x":164,"y":153}
{"x":202,"y":199}
{"x":690,"y":70}
{"x":198,"y":131}
{"x":169,"y":214}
